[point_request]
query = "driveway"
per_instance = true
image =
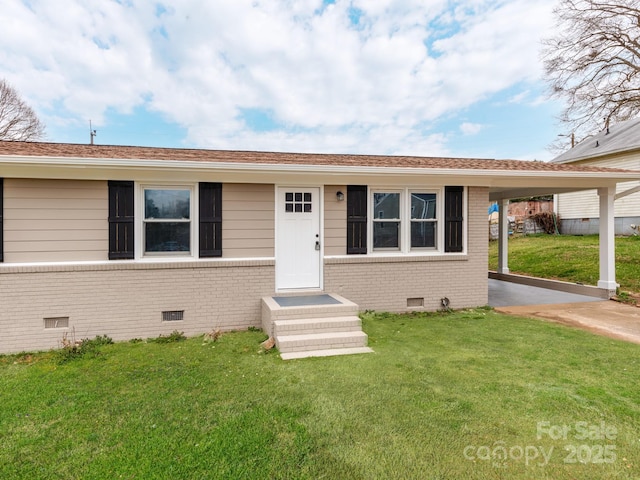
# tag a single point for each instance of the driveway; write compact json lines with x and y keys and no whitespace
{"x":604,"y":317}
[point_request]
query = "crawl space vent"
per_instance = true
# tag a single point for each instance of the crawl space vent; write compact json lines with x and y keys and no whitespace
{"x":56,"y":322}
{"x":415,"y":302}
{"x":172,"y":315}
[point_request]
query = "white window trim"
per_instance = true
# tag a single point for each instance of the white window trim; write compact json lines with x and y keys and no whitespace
{"x":439,"y":220}
{"x":139,"y":221}
{"x":405,"y":222}
{"x":465,"y":223}
{"x":372,"y":220}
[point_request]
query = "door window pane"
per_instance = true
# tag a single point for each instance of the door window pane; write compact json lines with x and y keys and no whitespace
{"x":297,"y":202}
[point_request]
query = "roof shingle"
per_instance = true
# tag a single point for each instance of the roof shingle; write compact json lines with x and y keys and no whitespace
{"x":82,"y":151}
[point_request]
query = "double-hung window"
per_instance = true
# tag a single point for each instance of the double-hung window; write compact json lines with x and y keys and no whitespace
{"x":167,"y":220}
{"x":424,"y":220}
{"x":405,"y":220}
{"x":387,"y":234}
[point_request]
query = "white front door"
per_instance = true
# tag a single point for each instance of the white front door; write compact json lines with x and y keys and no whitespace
{"x":298,"y":246}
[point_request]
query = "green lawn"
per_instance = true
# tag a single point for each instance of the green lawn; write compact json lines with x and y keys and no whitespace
{"x":570,"y":258}
{"x":439,"y":397}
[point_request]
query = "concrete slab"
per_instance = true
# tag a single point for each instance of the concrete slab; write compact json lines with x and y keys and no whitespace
{"x":503,"y":294}
{"x":307,"y":300}
{"x":325,"y":353}
{"x":604,"y":317}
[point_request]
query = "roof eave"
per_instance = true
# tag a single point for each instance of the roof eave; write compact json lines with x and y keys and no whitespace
{"x":146,"y":164}
{"x":590,"y":156}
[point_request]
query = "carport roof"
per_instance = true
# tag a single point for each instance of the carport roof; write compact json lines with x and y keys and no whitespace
{"x":505,"y":178}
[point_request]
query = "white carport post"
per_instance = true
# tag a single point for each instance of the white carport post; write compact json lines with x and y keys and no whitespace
{"x":607,"y":240}
{"x":503,"y":237}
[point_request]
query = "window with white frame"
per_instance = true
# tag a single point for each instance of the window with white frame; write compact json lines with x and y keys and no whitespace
{"x":424,"y":222}
{"x":167,"y":220}
{"x":404,"y":220}
{"x":386,"y":221}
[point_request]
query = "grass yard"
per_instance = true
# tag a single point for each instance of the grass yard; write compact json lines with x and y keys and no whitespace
{"x":464,"y":395}
{"x":570,"y":258}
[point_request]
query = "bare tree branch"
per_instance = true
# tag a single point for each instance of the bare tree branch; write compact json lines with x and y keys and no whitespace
{"x":593,"y":63}
{"x":18,"y":121}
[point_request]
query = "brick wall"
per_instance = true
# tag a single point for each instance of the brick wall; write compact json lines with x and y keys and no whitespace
{"x":125,"y":300}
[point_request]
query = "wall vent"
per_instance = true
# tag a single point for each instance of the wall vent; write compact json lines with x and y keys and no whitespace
{"x":56,"y":322}
{"x":415,"y":302}
{"x":172,"y":315}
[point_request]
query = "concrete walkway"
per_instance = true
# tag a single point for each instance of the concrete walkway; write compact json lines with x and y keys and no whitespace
{"x":604,"y":317}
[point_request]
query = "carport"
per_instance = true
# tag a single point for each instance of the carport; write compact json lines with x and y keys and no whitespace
{"x":552,"y":180}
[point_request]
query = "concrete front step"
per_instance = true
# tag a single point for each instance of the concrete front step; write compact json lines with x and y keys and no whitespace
{"x":305,"y":326}
{"x":325,"y":353}
{"x":273,"y":312}
{"x":320,"y":341}
{"x":310,"y":325}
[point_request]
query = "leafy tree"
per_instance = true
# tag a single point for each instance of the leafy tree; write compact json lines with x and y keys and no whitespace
{"x":18,"y":121}
{"x":593,"y":62}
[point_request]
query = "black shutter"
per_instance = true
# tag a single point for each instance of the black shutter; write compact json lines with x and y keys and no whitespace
{"x":121,"y":216}
{"x":210,"y":219}
{"x":453,"y":220}
{"x":1,"y":223}
{"x":356,"y":219}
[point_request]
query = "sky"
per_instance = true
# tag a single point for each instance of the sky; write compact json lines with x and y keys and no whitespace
{"x":456,"y":78}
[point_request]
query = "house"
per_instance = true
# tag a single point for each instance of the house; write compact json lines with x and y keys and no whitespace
{"x":520,"y":215}
{"x":135,"y":242}
{"x":617,"y":146}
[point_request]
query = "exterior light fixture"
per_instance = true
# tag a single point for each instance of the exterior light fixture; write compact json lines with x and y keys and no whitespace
{"x":340,"y":196}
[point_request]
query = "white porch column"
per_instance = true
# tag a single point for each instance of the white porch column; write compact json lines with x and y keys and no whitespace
{"x":503,"y":237}
{"x":607,"y":240}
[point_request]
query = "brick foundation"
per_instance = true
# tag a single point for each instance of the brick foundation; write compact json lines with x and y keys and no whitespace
{"x":126,"y":300}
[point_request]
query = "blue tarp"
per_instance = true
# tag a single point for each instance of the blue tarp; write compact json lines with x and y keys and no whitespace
{"x":493,"y":208}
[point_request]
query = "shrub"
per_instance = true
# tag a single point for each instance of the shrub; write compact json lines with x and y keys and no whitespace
{"x":549,"y":222}
{"x":72,"y":349}
{"x":173,"y":337}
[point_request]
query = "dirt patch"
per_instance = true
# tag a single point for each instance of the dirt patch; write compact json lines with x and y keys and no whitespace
{"x":608,"y":318}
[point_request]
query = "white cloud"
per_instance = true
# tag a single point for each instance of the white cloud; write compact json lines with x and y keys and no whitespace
{"x":520,"y":97}
{"x":471,"y":128}
{"x":331,"y":85}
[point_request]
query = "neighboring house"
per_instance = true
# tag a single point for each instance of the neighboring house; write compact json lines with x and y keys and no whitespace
{"x":519,"y":215}
{"x":136,"y":242}
{"x":615,"y":147}
{"x":527,"y":208}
